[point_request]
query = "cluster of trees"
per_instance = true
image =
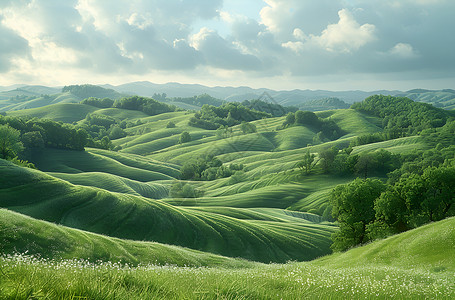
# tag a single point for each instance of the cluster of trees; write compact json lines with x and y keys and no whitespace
{"x":199,"y":100}
{"x":208,"y":167}
{"x":39,"y":133}
{"x":274,"y":109}
{"x":10,"y":146}
{"x":88,"y":90}
{"x":422,"y":190}
{"x":324,"y":104}
{"x":180,"y":189}
{"x":102,"y":129}
{"x":229,"y":114}
{"x":327,"y":129}
{"x":343,"y":162}
{"x":98,"y":102}
{"x":400,"y":117}
{"x":147,"y":105}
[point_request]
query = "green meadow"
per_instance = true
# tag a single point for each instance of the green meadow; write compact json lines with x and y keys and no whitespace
{"x":252,"y":222}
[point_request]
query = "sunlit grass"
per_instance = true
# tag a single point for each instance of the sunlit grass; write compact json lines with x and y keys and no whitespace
{"x":25,"y":278}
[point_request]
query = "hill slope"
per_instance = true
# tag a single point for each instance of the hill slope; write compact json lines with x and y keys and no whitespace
{"x":126,"y":216}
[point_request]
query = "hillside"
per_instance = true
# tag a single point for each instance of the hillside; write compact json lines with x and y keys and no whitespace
{"x":133,"y":217}
{"x":443,"y":98}
{"x":408,"y":275}
{"x":256,"y":190}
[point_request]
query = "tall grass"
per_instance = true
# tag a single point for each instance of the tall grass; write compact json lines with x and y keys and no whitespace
{"x":28,"y":278}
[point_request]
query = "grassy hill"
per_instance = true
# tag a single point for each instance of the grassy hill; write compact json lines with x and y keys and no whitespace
{"x":67,"y":113}
{"x":121,"y":206}
{"x":22,"y":234}
{"x":431,"y":247}
{"x":138,"y":218}
{"x":394,"y":268}
{"x":442,"y":98}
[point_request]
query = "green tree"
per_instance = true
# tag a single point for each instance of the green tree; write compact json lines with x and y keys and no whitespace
{"x":10,"y":142}
{"x":248,"y":127}
{"x":327,"y":156}
{"x":353,"y":208}
{"x":307,"y":163}
{"x":185,"y":137}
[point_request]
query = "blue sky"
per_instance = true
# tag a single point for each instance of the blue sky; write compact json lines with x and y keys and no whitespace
{"x":279,"y":44}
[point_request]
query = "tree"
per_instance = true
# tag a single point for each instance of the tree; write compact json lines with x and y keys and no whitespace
{"x":184,"y":137}
{"x":327,"y":156}
{"x":248,"y":127}
{"x":366,"y":163}
{"x":353,"y":208}
{"x":10,"y":143}
{"x":307,"y":163}
{"x":170,"y":124}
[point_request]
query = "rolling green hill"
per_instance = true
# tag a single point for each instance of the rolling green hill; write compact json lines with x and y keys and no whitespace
{"x":41,"y":196}
{"x":22,"y":234}
{"x":442,"y":98}
{"x":431,"y":247}
{"x":67,"y":113}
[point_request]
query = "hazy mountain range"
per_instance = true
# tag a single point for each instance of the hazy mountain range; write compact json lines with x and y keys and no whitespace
{"x":28,"y":94}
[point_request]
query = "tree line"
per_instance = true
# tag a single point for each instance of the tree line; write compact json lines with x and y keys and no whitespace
{"x":420,"y":190}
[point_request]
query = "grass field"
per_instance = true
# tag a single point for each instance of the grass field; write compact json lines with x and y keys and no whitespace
{"x":84,"y":215}
{"x":138,"y":218}
{"x":411,"y":274}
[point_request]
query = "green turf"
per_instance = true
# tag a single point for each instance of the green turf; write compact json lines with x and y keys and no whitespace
{"x":67,"y":113}
{"x":66,"y":161}
{"x":395,"y":268}
{"x":23,"y":234}
{"x":127,"y":216}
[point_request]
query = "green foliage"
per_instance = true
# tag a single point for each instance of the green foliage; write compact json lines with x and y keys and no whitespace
{"x":307,"y":163}
{"x":50,"y":133}
{"x":401,"y":117}
{"x":185,"y":137}
{"x":274,"y":109}
{"x":353,"y":208}
{"x":10,"y":143}
{"x":147,"y":105}
{"x":327,"y":129}
{"x":229,"y":114}
{"x":88,"y":90}
{"x":181,"y":189}
{"x":199,"y":100}
{"x":415,"y":200}
{"x":22,"y":163}
{"x":324,"y":104}
{"x":248,"y":127}
{"x":208,"y":167}
{"x":170,"y":124}
{"x":97,"y":102}
{"x":327,"y":157}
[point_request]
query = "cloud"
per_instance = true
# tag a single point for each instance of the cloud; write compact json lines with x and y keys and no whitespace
{"x":403,"y":50}
{"x":347,"y":35}
{"x":293,"y":38}
{"x":12,"y":46}
{"x":219,"y":53}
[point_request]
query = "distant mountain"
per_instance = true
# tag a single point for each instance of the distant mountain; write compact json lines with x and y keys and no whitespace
{"x":443,"y":98}
{"x":24,"y":96}
{"x":239,"y":94}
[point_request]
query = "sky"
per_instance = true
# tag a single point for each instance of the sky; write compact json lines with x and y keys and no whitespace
{"x":278,"y":44}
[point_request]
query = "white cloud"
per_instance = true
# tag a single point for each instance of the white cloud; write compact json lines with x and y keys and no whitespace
{"x":347,"y":35}
{"x":403,"y":50}
{"x":291,"y":38}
